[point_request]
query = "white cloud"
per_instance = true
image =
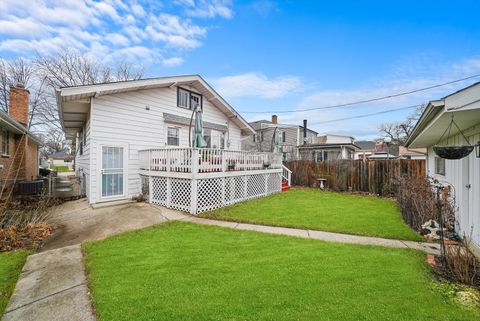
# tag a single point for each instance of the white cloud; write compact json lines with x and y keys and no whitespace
{"x":174,"y":32}
{"x":173,"y":62}
{"x":117,"y":39}
{"x":136,"y":27}
{"x":138,"y":10}
{"x":22,"y":27}
{"x":257,"y":85}
{"x":208,"y":8}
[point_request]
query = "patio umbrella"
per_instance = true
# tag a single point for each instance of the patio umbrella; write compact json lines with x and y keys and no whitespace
{"x":199,"y":142}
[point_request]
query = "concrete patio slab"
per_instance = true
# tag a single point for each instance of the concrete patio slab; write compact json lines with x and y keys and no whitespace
{"x":77,"y":221}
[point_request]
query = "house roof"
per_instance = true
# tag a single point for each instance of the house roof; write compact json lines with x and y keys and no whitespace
{"x":365,"y":144}
{"x":73,"y":102}
{"x":7,"y":121}
{"x":257,"y":125}
{"x":325,"y":146}
{"x":61,"y":155}
{"x":382,"y":155}
{"x":463,"y":106}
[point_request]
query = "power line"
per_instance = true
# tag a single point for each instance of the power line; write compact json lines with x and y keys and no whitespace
{"x":365,"y":100}
{"x":364,"y":115}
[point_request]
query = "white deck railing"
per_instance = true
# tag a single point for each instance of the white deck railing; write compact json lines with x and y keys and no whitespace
{"x":206,"y":160}
{"x":287,"y":175}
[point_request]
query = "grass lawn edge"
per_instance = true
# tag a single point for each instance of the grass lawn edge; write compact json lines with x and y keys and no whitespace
{"x":9,"y":274}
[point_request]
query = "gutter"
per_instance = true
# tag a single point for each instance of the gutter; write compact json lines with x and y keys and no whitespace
{"x":20,"y":129}
{"x":430,"y":112}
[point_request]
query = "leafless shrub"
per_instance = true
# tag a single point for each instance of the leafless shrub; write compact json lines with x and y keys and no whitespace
{"x":419,"y":202}
{"x":22,"y":212}
{"x":460,"y":264}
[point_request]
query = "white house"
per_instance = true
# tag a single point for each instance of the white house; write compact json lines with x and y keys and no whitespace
{"x":329,"y":147}
{"x":463,"y":175}
{"x":134,"y":137}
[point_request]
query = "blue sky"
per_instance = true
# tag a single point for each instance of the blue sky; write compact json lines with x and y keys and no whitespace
{"x":270,"y":56}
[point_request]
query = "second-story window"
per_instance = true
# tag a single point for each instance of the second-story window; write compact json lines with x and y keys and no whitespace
{"x":188,"y":99}
{"x":183,"y":98}
{"x":283,"y":137}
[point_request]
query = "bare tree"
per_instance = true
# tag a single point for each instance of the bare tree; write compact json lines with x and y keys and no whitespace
{"x":11,"y":73}
{"x":399,"y":131}
{"x":54,"y":141}
{"x":44,"y":75}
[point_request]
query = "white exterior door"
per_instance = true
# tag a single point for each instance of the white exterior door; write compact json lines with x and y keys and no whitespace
{"x":112,"y":172}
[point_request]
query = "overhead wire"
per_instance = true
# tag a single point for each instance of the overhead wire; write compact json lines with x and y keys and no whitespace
{"x":365,"y":100}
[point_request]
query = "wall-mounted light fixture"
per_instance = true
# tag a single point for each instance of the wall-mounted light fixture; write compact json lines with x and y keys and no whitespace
{"x":147,"y":107}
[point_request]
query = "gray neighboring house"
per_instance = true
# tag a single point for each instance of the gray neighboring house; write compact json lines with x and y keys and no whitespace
{"x":366,"y":148}
{"x":290,"y":137}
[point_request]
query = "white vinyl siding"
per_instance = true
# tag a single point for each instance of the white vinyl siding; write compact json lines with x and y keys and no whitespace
{"x":125,"y":118}
{"x":460,"y":174}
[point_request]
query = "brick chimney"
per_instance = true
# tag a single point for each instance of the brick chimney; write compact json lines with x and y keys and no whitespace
{"x":274,"y":119}
{"x":19,"y":103}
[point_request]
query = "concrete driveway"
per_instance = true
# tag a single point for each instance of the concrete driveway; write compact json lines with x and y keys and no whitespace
{"x":77,"y":221}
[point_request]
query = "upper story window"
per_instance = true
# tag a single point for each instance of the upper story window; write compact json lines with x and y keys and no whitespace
{"x":440,"y":166}
{"x":5,"y":140}
{"x":283,"y":137}
{"x":188,"y":99}
{"x":173,"y":136}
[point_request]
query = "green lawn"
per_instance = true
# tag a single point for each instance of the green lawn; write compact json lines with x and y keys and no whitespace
{"x":183,"y":271}
{"x":321,"y":210}
{"x":11,"y":264}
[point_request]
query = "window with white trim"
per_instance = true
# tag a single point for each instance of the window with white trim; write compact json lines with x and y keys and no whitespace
{"x":188,"y":99}
{"x":173,"y":136}
{"x":439,"y":166}
{"x":5,"y":139}
{"x":182,"y":98}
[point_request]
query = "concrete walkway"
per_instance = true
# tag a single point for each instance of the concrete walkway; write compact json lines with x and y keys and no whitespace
{"x":431,"y":248}
{"x":52,"y":285}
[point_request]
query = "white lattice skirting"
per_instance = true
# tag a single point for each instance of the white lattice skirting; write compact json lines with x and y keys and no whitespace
{"x":198,"y":195}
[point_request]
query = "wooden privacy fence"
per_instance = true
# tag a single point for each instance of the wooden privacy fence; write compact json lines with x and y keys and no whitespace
{"x":374,"y":176}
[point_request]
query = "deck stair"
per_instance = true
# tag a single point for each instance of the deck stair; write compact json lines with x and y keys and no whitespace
{"x":286,"y":178}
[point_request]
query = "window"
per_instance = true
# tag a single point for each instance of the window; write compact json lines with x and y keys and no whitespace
{"x":5,"y":141}
{"x":214,"y":138}
{"x":254,"y":138}
{"x":284,"y":137}
{"x":195,"y":100}
{"x":188,"y":99}
{"x":173,"y":136}
{"x":439,"y":166}
{"x":261,"y":136}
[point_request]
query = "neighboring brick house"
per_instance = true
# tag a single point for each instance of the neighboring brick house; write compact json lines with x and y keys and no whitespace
{"x":289,"y":137}
{"x":16,"y":138}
